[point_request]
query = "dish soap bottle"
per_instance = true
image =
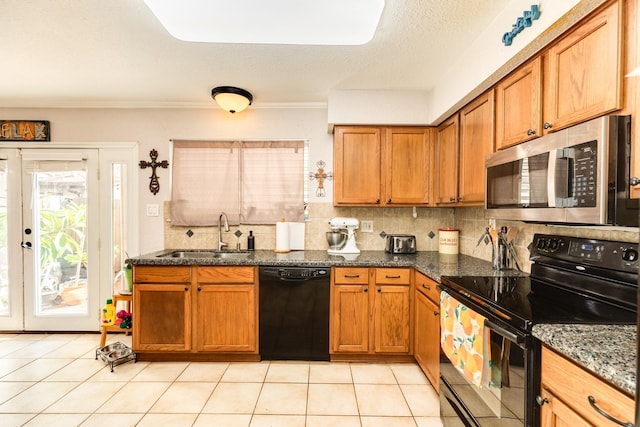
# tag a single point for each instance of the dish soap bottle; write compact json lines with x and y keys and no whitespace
{"x":251,"y":242}
{"x":109,"y":314}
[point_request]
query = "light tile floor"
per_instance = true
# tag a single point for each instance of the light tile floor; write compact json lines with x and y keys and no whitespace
{"x":54,"y":380}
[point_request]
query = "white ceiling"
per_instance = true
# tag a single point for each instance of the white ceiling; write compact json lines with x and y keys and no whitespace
{"x":114,"y":53}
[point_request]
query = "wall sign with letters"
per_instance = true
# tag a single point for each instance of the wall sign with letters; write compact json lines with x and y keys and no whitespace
{"x":25,"y":130}
{"x":526,"y":20}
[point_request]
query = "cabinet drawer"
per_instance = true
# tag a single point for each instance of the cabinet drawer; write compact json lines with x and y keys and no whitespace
{"x":232,"y":274}
{"x":351,"y":276}
{"x":427,"y":286}
{"x":393,"y":276}
{"x":161,"y":274}
{"x":573,"y":385}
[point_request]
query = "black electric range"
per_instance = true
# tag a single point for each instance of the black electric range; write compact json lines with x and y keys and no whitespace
{"x":573,"y":281}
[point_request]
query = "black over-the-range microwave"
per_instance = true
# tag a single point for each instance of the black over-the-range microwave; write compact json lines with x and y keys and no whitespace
{"x":578,"y":175}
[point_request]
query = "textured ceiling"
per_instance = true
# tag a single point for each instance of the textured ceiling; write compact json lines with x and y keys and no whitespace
{"x":114,"y":53}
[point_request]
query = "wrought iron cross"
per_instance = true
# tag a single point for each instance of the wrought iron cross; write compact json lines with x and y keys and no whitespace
{"x":154,"y":185}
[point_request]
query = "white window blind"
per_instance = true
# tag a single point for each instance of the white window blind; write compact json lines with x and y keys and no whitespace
{"x":253,"y":182}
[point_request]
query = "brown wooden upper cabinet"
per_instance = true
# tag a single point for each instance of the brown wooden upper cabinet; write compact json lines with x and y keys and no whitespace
{"x":577,"y":78}
{"x":519,"y":105}
{"x":446,"y":161}
{"x":462,"y":143}
{"x":582,"y":76}
{"x":477,"y":136}
{"x":382,"y":165}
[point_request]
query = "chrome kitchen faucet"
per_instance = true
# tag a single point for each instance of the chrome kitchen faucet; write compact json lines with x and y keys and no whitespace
{"x":222,"y":244}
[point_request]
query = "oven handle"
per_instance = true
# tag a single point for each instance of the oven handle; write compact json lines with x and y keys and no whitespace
{"x":518,"y":339}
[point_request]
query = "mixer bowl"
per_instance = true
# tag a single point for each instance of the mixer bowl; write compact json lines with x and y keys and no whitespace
{"x":336,"y":239}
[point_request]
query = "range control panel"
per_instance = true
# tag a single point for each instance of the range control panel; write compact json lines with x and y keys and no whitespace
{"x":622,"y":256}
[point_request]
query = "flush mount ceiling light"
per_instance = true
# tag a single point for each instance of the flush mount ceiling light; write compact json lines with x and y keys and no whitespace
{"x":231,"y":99}
{"x":319,"y":22}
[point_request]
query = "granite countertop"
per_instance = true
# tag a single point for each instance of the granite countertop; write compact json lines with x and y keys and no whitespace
{"x":609,"y":351}
{"x":431,"y":263}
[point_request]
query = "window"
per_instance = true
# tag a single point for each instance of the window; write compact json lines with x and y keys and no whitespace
{"x":253,"y":182}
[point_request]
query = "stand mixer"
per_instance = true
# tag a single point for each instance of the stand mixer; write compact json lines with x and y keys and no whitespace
{"x":348,"y":226}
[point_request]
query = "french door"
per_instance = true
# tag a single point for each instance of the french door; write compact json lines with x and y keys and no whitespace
{"x":54,"y":214}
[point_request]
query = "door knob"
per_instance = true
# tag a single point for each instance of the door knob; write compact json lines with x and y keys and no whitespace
{"x":26,"y":245}
{"x":548,"y":125}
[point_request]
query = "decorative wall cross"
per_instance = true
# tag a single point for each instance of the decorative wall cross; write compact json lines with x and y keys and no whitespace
{"x":154,"y":185}
{"x":321,"y":175}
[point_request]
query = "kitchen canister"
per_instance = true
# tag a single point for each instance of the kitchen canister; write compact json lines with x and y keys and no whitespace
{"x":282,"y":236}
{"x":448,"y":241}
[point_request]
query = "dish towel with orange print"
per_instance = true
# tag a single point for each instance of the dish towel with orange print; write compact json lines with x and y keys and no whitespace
{"x":465,"y":340}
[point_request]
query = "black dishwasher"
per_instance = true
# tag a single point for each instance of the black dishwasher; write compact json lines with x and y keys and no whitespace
{"x":294,"y":312}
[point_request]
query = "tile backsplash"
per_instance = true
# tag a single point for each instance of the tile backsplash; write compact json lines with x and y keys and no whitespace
{"x":424,"y":225}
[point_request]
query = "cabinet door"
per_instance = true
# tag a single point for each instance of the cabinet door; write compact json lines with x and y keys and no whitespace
{"x":226,"y":318}
{"x":476,"y":141}
{"x":574,"y":386}
{"x":584,"y":71}
{"x":426,"y":338}
{"x":446,"y":162}
{"x":357,"y":165}
{"x":391,"y":319}
{"x":162,"y":317}
{"x":350,"y":319}
{"x":519,"y":105}
{"x":554,"y":413}
{"x":407,"y":171}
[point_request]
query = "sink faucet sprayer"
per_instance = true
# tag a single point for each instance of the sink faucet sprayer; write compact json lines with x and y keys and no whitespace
{"x":222,"y":244}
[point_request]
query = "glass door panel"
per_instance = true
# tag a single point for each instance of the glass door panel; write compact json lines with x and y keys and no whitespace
{"x":57,"y":217}
{"x":11,"y":296}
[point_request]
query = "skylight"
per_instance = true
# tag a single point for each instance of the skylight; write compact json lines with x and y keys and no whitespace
{"x":301,"y":22}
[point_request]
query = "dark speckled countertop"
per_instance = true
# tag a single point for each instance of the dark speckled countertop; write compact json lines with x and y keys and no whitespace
{"x":432,"y":264}
{"x":608,"y":351}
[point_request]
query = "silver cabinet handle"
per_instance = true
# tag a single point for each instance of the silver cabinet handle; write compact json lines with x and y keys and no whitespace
{"x":592,"y":402}
{"x":634,"y":181}
{"x":541,"y":400}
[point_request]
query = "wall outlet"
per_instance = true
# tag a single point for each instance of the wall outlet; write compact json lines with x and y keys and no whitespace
{"x":153,"y":209}
{"x":366,"y":226}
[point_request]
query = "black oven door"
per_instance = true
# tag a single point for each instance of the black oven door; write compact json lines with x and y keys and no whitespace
{"x":507,"y":401}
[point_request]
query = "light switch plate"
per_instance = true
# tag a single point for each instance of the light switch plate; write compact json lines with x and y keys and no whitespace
{"x":153,"y":209}
{"x":366,"y":226}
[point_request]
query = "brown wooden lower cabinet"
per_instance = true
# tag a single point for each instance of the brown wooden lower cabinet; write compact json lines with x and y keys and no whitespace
{"x":195,"y":312}
{"x":226,"y":319}
{"x":426,"y":335}
{"x":163,"y":317}
{"x":350,"y":319}
{"x":566,"y":392}
{"x":370,"y":311}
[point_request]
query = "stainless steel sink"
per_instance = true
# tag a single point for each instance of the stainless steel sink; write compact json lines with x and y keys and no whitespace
{"x":195,"y":254}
